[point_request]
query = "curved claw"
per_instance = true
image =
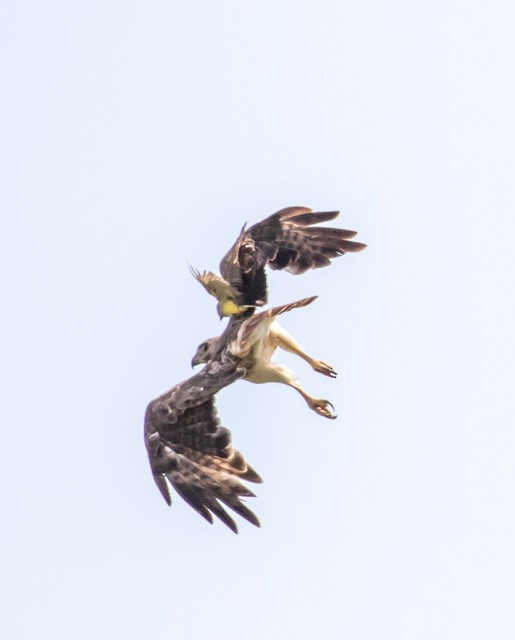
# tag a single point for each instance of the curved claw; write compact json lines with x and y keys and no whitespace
{"x":325,"y":369}
{"x":321,"y":407}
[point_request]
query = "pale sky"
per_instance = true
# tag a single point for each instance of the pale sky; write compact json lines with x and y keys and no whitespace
{"x":137,"y":138}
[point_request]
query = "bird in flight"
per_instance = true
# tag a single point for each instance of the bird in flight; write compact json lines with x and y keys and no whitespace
{"x":258,"y":338}
{"x":285,"y":240}
{"x":188,"y":448}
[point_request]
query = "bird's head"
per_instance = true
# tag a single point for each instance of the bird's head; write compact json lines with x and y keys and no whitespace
{"x":205,"y":351}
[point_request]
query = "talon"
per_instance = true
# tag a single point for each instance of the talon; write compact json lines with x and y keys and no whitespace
{"x":325,"y":369}
{"x":320,"y":407}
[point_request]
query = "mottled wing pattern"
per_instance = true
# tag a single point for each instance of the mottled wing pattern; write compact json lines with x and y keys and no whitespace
{"x":285,"y":240}
{"x":188,"y":447}
{"x":290,"y":242}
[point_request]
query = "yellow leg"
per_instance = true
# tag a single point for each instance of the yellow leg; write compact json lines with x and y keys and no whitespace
{"x":270,"y":372}
{"x":318,"y":405}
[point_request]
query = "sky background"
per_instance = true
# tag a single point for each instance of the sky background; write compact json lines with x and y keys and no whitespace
{"x":136,"y":138}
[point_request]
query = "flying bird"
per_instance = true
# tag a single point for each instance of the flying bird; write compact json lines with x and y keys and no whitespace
{"x":188,"y":448}
{"x":256,"y":342}
{"x":286,"y":240}
{"x":186,"y":444}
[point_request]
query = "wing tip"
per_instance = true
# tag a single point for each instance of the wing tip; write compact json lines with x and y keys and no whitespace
{"x":162,"y":485}
{"x":251,"y":475}
{"x":354,"y":247}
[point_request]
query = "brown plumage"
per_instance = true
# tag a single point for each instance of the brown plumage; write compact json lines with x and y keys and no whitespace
{"x":287,"y":240}
{"x":187,"y":445}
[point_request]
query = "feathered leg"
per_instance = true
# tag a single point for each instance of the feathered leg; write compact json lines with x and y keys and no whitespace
{"x":269,"y":372}
{"x":283,"y":340}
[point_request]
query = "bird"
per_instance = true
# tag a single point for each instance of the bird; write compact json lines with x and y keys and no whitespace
{"x":190,"y":450}
{"x":286,"y":240}
{"x":255,"y":345}
{"x":186,"y":444}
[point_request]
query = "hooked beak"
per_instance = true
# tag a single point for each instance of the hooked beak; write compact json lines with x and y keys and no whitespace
{"x":196,"y":360}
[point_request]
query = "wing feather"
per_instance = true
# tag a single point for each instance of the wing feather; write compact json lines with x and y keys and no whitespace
{"x":189,"y":448}
{"x":285,"y":240}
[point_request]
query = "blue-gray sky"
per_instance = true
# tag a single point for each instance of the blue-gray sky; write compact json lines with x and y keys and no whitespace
{"x":137,"y":138}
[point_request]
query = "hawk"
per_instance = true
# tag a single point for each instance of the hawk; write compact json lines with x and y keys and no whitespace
{"x":285,"y":240}
{"x":257,"y":341}
{"x":187,"y":446}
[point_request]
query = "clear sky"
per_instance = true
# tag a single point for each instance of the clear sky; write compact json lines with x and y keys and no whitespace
{"x":138,"y":137}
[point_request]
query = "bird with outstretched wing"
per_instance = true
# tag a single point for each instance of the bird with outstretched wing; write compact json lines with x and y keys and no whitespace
{"x":188,"y":448}
{"x":287,"y":240}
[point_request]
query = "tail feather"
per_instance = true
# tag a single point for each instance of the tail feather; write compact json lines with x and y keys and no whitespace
{"x":283,"y":308}
{"x":253,"y":322}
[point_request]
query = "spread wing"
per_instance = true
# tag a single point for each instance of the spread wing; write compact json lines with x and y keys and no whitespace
{"x":285,"y":240}
{"x":188,"y":447}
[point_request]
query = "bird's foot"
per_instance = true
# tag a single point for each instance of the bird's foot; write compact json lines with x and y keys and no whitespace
{"x":322,"y":408}
{"x":324,"y":368}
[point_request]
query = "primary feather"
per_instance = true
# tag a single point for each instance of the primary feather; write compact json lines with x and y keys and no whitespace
{"x":188,"y":447}
{"x":287,"y":240}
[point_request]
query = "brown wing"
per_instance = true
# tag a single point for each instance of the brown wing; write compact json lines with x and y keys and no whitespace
{"x":285,"y":240}
{"x":189,"y":448}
